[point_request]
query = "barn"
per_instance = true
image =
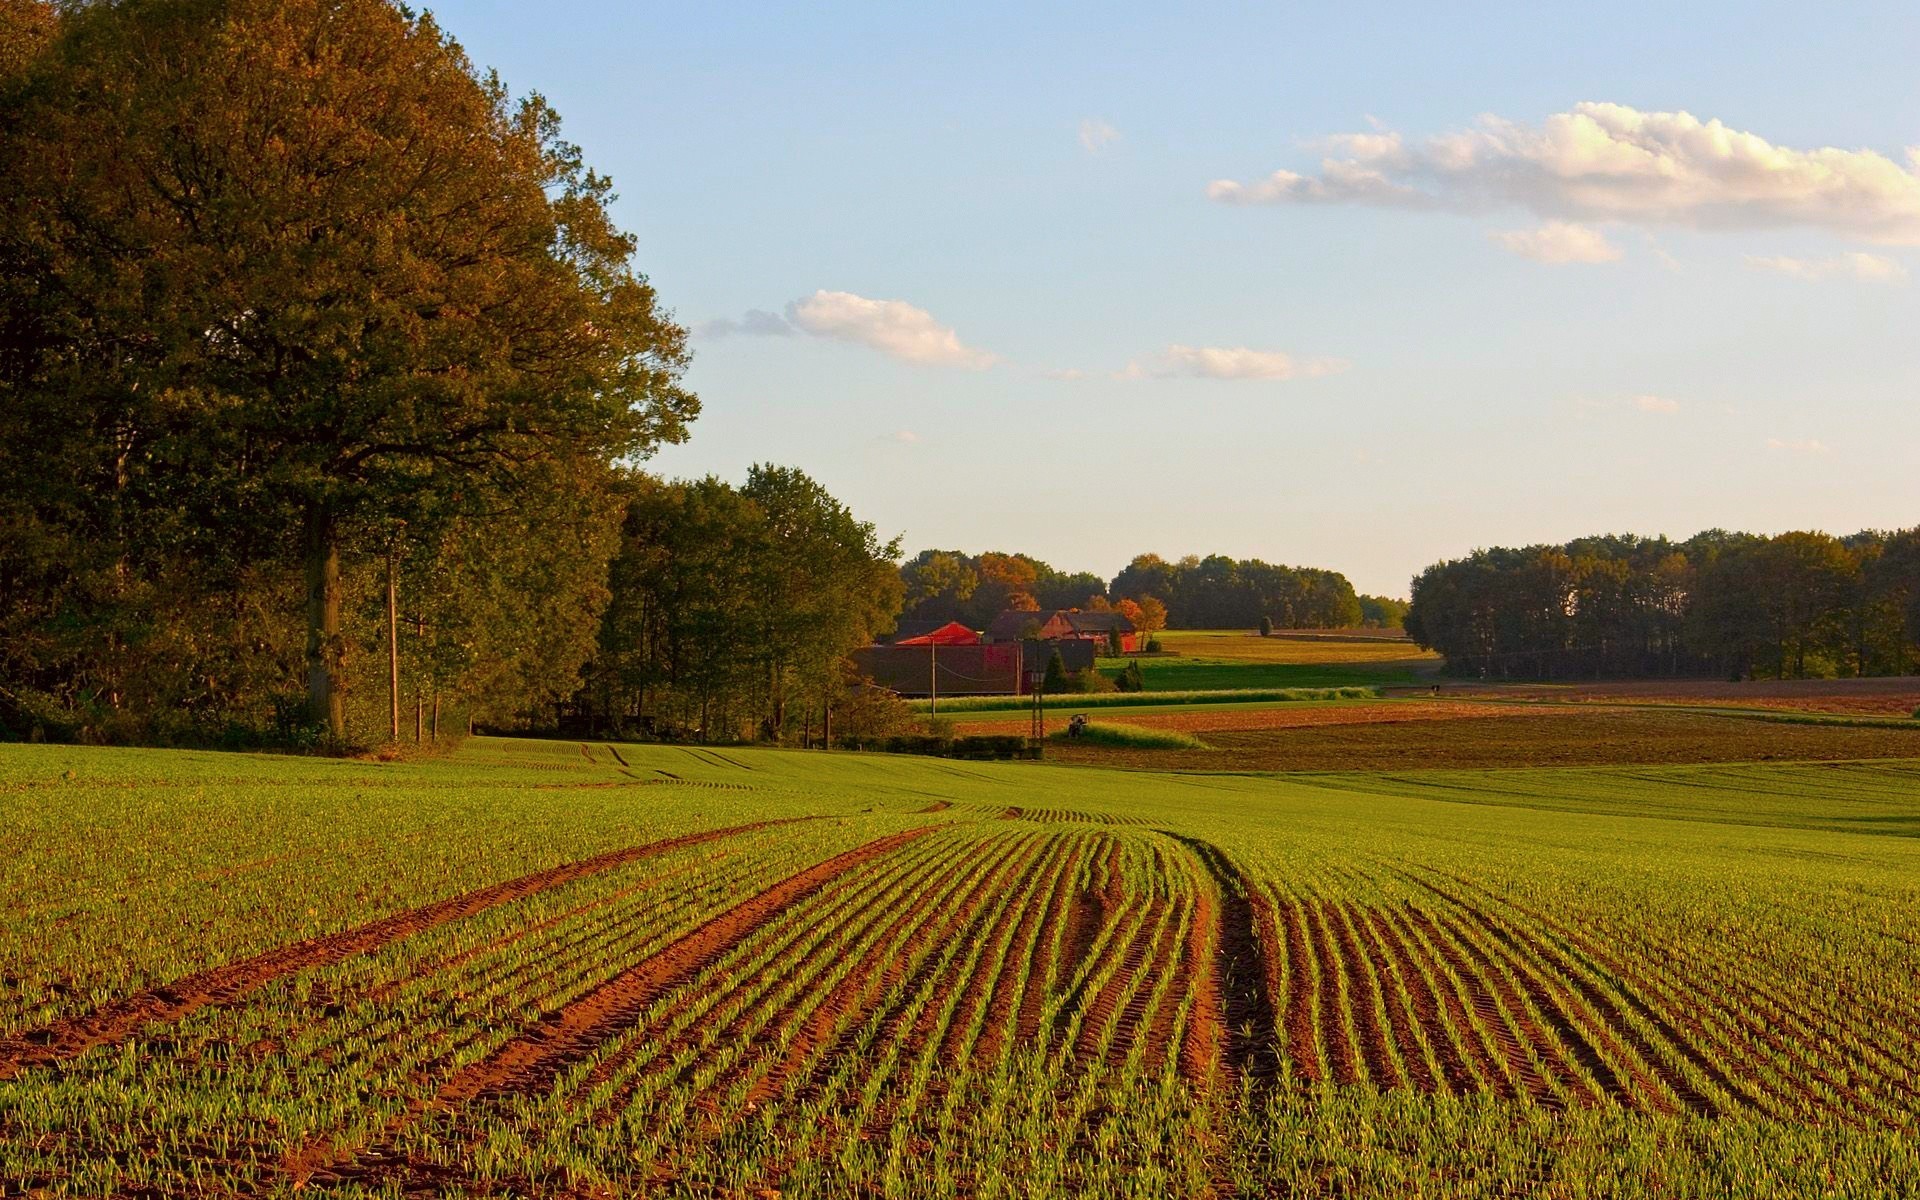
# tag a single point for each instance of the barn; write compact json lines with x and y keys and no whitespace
{"x":1066,"y":625}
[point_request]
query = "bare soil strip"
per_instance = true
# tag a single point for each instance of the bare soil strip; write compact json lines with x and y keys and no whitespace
{"x":118,"y":1020}
{"x":1236,"y":1007}
{"x":1303,"y":1043}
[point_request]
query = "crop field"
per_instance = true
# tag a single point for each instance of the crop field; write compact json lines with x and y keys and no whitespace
{"x":1206,"y":659}
{"x":589,"y":970}
{"x":1252,"y":715}
{"x":1887,"y":696}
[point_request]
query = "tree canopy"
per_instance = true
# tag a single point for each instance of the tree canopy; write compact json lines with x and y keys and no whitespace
{"x":284,"y":277}
{"x":1792,"y":605}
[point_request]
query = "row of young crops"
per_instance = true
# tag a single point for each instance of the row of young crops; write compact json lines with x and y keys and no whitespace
{"x":972,"y":1003}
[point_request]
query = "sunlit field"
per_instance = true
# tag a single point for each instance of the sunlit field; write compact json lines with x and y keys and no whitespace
{"x":588,"y":969}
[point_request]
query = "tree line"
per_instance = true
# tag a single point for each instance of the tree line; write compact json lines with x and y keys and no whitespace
{"x":1734,"y":605}
{"x":1215,"y":592}
{"x":325,"y":375}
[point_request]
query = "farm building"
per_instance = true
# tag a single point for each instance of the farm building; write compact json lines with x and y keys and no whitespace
{"x":908,"y":628}
{"x":1066,"y":625}
{"x":969,"y":669}
{"x":953,"y":633}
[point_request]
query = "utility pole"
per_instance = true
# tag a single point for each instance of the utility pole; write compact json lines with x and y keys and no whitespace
{"x":933,"y":683}
{"x":393,"y":653}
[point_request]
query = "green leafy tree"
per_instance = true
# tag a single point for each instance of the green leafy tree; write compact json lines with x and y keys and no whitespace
{"x":1056,"y":676}
{"x":309,"y":269}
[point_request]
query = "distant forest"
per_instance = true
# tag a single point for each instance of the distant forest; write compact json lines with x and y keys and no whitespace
{"x":1215,"y":592}
{"x":1732,"y":605}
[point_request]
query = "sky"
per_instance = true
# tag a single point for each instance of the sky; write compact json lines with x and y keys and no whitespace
{"x":1349,"y":286}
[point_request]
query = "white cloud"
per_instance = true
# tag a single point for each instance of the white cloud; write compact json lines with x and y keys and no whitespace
{"x":1798,"y":445}
{"x":1869,"y":267}
{"x":1656,"y":404}
{"x":756,"y":323}
{"x":1609,"y":162}
{"x":1228,"y":362}
{"x":892,"y":327}
{"x":1559,"y":242}
{"x":906,"y":437}
{"x":1096,"y":135}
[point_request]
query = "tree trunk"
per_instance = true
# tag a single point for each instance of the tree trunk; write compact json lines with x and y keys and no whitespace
{"x":435,"y":728}
{"x":325,"y":657}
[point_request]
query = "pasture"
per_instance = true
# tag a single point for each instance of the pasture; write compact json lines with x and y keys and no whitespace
{"x":1204,"y":659}
{"x":539,"y":968}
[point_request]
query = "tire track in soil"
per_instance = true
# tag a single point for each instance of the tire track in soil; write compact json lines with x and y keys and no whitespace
{"x":1303,"y":1042}
{"x":1053,"y":945}
{"x":1455,"y":1075}
{"x":1673,"y":1037}
{"x":934,"y":876}
{"x":1512,"y":978}
{"x":118,"y":1020}
{"x":1345,"y":1063}
{"x":998,"y":991}
{"x":1092,"y":909}
{"x":1234,"y":1023}
{"x":1362,"y":999}
{"x":1121,"y":1004}
{"x":534,"y":1058}
{"x":881,"y":965}
{"x":1608,"y":1026}
{"x":1487,"y":1008}
{"x":1396,"y":992}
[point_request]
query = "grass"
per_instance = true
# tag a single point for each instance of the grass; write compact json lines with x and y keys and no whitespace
{"x":1132,"y":737}
{"x":964,"y":978}
{"x":1223,"y":659}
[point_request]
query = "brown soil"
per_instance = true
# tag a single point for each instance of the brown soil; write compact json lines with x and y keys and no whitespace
{"x":1550,"y":737}
{"x":1894,"y":696}
{"x":1302,"y":1042}
{"x":1053,"y":937}
{"x":117,"y":1020}
{"x":1393,"y":997}
{"x":1203,"y":718}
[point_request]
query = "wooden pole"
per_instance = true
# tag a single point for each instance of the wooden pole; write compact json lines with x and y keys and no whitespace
{"x":933,"y":683}
{"x":393,"y":653}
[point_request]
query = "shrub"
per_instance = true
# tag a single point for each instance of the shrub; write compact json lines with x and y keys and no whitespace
{"x":1153,"y":645}
{"x":1266,"y":626}
{"x":1132,"y":737}
{"x":1089,"y":682}
{"x":1916,"y":714}
{"x":1130,"y":679}
{"x":1056,"y":680}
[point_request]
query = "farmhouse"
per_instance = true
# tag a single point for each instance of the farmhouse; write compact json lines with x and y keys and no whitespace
{"x":923,"y":666}
{"x":1065,"y":625}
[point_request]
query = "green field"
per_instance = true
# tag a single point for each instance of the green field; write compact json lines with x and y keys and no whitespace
{"x":1200,"y":660}
{"x":495,"y":974}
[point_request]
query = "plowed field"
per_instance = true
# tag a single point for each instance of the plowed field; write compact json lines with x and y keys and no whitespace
{"x":832,"y":975}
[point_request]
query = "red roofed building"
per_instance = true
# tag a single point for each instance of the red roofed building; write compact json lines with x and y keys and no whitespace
{"x":953,"y":633}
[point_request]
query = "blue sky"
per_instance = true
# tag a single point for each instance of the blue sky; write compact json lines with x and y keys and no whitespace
{"x":1004,"y":277}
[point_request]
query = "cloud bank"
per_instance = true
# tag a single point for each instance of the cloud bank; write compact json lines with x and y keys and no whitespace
{"x":1609,"y":162}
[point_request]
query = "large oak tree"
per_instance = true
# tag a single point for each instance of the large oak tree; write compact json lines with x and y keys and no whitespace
{"x":284,"y":269}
